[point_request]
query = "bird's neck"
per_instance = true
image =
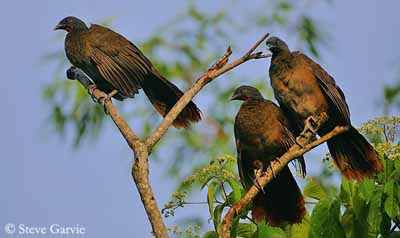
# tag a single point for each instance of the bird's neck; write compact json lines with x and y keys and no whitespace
{"x":252,"y":101}
{"x":78,"y":30}
{"x":283,"y":55}
{"x":280,"y":63}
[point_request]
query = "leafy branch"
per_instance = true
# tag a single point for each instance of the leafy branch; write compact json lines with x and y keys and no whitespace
{"x":275,"y":167}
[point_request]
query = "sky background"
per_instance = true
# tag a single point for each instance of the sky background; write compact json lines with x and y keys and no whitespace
{"x":45,"y":181}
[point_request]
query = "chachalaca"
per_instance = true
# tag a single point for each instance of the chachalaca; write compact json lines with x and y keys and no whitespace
{"x":305,"y":90}
{"x":262,"y":135}
{"x":119,"y":68}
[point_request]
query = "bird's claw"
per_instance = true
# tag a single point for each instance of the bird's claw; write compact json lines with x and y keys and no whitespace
{"x":272,"y":170}
{"x":258,"y":173}
{"x":91,"y":89}
{"x":300,"y":141}
{"x":103,"y":100}
{"x":311,"y":125}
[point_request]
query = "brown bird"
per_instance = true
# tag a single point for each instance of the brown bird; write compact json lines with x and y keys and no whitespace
{"x":303,"y":89}
{"x":262,"y":135}
{"x":120,"y":69}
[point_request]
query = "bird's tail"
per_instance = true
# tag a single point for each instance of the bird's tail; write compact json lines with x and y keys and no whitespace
{"x":282,"y":202}
{"x":354,"y":156}
{"x":164,"y":94}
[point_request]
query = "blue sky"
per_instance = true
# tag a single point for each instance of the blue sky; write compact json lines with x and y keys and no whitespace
{"x":44,"y":181}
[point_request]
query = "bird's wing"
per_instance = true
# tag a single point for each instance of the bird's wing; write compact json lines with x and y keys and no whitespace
{"x":288,"y":140}
{"x":335,"y":96}
{"x":245,"y":170}
{"x":119,"y":61}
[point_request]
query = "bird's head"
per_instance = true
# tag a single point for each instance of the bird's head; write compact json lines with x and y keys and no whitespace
{"x":246,"y":92}
{"x":70,"y":23}
{"x":276,"y":45}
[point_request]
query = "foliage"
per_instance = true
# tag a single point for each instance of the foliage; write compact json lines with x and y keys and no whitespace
{"x":370,"y":208}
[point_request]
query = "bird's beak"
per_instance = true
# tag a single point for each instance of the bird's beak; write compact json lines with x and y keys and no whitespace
{"x":235,"y":97}
{"x":58,"y":27}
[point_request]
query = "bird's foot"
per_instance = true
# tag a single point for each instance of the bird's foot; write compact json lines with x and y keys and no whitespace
{"x":301,"y":141}
{"x":311,"y":125}
{"x":314,"y":122}
{"x":103,"y":100}
{"x":258,"y":173}
{"x":91,"y":89}
{"x":272,"y":170}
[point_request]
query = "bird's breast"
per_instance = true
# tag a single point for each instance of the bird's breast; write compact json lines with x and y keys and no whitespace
{"x":299,"y":91}
{"x":75,"y":49}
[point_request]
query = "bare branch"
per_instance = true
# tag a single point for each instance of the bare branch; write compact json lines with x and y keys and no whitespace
{"x":140,"y":168}
{"x":294,"y":152}
{"x":220,"y":67}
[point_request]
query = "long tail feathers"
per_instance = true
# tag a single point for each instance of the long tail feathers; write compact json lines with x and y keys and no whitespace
{"x":164,"y":94}
{"x":354,"y":156}
{"x":282,"y":202}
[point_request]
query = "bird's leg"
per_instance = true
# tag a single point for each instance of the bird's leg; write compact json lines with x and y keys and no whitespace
{"x":104,"y":100}
{"x":311,"y":125}
{"x":272,"y":170}
{"x":258,"y":173}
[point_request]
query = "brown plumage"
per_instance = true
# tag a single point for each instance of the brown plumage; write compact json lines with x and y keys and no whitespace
{"x":303,"y":88}
{"x":263,"y":134}
{"x":114,"y":63}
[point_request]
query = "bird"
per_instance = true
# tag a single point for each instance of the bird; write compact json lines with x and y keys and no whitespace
{"x":118,"y":68}
{"x":304,"y":89}
{"x":263,"y":134}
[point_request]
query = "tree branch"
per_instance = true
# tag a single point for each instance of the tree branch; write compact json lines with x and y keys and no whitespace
{"x":141,"y":149}
{"x":277,"y":165}
{"x":220,"y":67}
{"x":140,"y":168}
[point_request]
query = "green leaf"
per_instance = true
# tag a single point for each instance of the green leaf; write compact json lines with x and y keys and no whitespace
{"x":391,"y":203}
{"x":367,"y":189}
{"x":210,"y":234}
{"x":314,"y":190}
{"x":217,"y":216}
{"x":347,"y":222}
{"x":388,"y":168}
{"x":302,"y":229}
{"x":206,"y":182}
{"x":236,"y":192}
{"x":389,"y":188}
{"x":325,"y":219}
{"x":234,"y":226}
{"x":374,"y":218}
{"x":246,"y":230}
{"x":211,"y":198}
{"x":397,"y":162}
{"x":346,"y":191}
{"x":262,"y":230}
{"x":266,"y":231}
{"x":392,"y":207}
{"x":360,"y":210}
{"x":395,"y":234}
